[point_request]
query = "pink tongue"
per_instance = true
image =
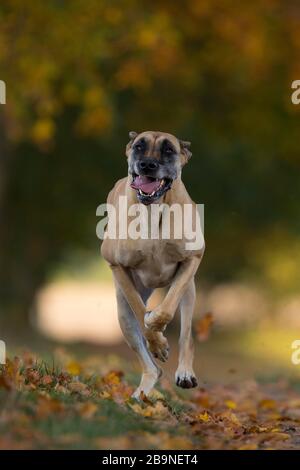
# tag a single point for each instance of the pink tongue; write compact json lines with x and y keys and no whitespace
{"x":147,"y":185}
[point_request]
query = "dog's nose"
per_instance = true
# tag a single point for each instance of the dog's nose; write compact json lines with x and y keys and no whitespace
{"x":149,"y":164}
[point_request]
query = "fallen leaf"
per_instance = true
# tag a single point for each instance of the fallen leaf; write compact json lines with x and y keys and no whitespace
{"x":73,"y":368}
{"x":87,"y":410}
{"x":203,"y":327}
{"x":144,"y":398}
{"x":47,"y":406}
{"x":203,"y":417}
{"x":46,"y":380}
{"x":267,"y":404}
{"x":117,"y":443}
{"x":230,"y":404}
{"x":156,"y":395}
{"x":61,"y":389}
{"x":113,"y":377}
{"x":32,"y":376}
{"x":230,"y":418}
{"x":78,"y":387}
{"x":252,"y":446}
{"x":293,"y":413}
{"x":67,"y":439}
{"x":155,"y":411}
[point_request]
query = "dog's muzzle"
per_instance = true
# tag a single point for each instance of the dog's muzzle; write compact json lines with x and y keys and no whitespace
{"x":150,"y":189}
{"x":147,"y":182}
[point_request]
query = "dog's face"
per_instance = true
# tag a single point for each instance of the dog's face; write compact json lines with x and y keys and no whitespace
{"x":155,"y":160}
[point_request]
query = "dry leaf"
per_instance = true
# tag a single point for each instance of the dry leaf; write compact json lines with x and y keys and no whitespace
{"x":113,"y":377}
{"x":204,"y":417}
{"x":203,"y":327}
{"x":230,"y":404}
{"x":46,"y":380}
{"x":267,"y":404}
{"x":73,"y":368}
{"x":78,"y":387}
{"x":155,"y":411}
{"x":252,"y":446}
{"x":87,"y":410}
{"x":47,"y":406}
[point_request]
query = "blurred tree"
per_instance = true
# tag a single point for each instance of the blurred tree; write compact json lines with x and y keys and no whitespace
{"x":81,"y":74}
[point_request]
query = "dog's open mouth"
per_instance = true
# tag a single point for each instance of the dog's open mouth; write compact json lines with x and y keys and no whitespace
{"x":149,"y":189}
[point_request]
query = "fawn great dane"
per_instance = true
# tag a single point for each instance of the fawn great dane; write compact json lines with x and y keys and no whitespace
{"x":140,"y":264}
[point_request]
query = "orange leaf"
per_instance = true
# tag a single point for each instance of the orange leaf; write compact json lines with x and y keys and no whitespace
{"x":203,"y":327}
{"x":113,"y":377}
{"x":87,"y":410}
{"x":267,"y":404}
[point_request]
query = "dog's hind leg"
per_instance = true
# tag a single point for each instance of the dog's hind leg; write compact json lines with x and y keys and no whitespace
{"x":185,"y":376}
{"x":133,"y":335}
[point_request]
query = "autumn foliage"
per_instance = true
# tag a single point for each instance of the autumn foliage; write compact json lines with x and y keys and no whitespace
{"x":52,"y":407}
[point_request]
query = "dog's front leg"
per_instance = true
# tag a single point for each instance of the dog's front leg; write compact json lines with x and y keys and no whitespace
{"x":129,"y":290}
{"x":157,"y":343}
{"x":158,"y":319}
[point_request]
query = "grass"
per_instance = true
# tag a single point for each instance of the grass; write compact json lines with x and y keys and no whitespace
{"x":86,"y":404}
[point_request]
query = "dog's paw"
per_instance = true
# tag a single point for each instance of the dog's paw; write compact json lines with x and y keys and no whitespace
{"x":186,"y":379}
{"x":159,"y":351}
{"x":157,"y":344}
{"x":148,"y":382}
{"x":156,"y":320}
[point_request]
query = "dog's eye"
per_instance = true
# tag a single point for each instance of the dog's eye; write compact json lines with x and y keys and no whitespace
{"x":139,"y":147}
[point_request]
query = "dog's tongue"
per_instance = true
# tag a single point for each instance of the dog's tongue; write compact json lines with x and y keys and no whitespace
{"x":147,"y":185}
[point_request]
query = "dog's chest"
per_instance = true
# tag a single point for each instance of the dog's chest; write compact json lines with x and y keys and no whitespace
{"x":154,"y":261}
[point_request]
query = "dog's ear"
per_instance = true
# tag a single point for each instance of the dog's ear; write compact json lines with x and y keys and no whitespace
{"x":132,"y":136}
{"x":185,"y":147}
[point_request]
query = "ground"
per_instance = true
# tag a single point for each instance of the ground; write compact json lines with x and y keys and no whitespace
{"x":67,"y":404}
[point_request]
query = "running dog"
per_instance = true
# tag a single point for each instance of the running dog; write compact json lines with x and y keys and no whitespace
{"x":139,"y":265}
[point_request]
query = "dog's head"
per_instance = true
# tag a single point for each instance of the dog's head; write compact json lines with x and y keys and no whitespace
{"x":155,"y":160}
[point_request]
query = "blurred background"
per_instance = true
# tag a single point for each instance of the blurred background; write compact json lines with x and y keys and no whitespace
{"x":79,"y":75}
